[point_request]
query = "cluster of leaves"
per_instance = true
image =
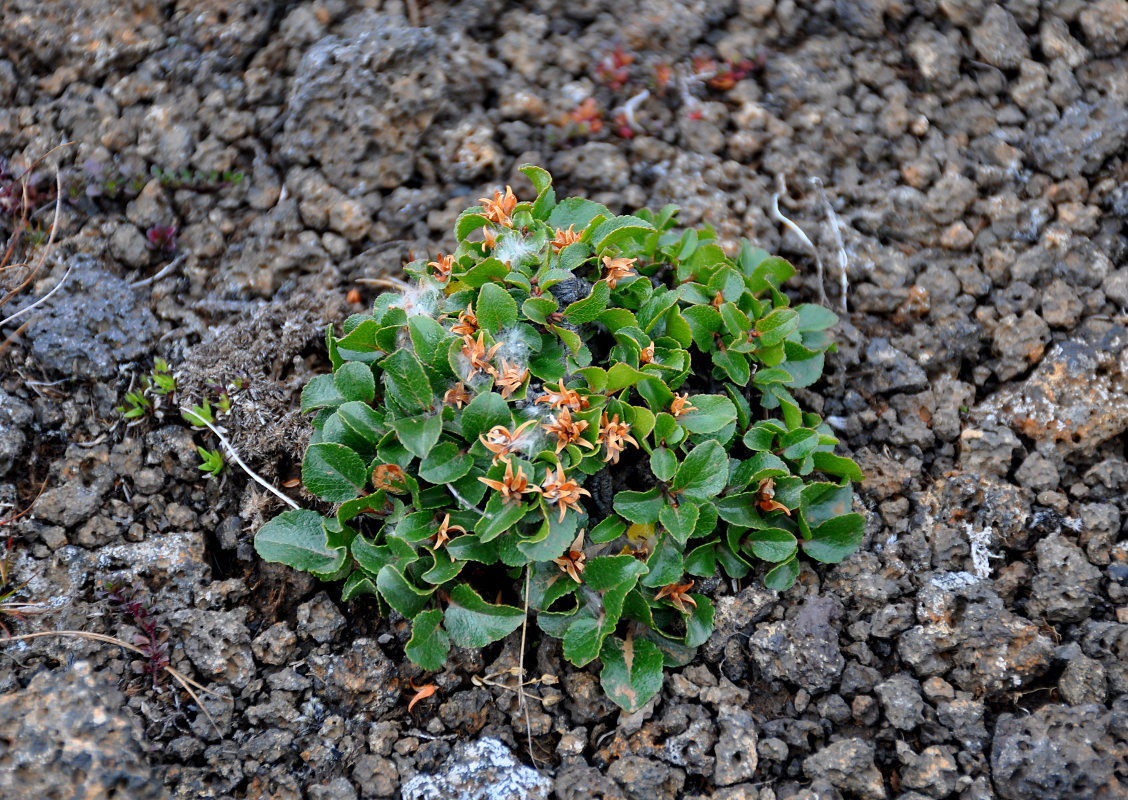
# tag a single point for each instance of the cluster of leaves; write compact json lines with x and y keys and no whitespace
{"x":112,"y":181}
{"x":155,"y":386}
{"x":152,"y":640}
{"x":600,"y":402}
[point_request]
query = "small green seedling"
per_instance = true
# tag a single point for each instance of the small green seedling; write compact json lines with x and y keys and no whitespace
{"x":211,"y":462}
{"x":159,"y":383}
{"x":577,"y":413}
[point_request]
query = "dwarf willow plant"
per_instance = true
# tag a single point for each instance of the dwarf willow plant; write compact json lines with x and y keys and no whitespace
{"x":599,"y":401}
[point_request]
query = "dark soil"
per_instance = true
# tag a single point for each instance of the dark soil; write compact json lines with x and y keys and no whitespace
{"x":976,"y":190}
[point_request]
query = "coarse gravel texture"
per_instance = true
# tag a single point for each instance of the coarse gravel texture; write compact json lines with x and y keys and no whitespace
{"x":972,"y":156}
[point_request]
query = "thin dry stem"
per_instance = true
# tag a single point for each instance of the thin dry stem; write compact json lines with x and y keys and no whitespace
{"x":791,"y":226}
{"x":230,"y":448}
{"x":185,"y":682}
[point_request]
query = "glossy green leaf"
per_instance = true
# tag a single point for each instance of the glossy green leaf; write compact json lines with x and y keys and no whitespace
{"x":703,"y":473}
{"x":713,"y":412}
{"x":445,"y":464}
{"x":298,"y":539}
{"x":333,"y":472}
{"x":429,"y":643}
{"x":496,"y":309}
{"x":640,"y":507}
{"x":400,"y":593}
{"x":472,"y":622}
{"x":419,"y":434}
{"x":589,"y":309}
{"x":836,"y":539}
{"x":632,"y":671}
{"x":407,"y":382}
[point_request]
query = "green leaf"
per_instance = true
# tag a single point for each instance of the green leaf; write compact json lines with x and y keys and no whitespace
{"x":604,"y":573}
{"x":503,"y":517}
{"x":663,"y":463}
{"x":484,"y":272}
{"x":702,"y":561}
{"x":815,"y":318}
{"x":426,"y":337}
{"x":467,"y":223}
{"x":704,"y":472}
{"x":362,"y":421}
{"x":472,"y":622}
{"x":583,"y":640}
{"x":298,"y":539}
{"x":640,"y":507}
{"x":399,"y":592}
{"x":799,"y":443}
{"x":836,"y":539}
{"x":552,"y":539}
{"x":419,"y":434}
{"x":734,"y":366}
{"x":777,"y":326}
{"x":699,"y":623}
{"x":358,"y":583}
{"x":496,"y":309}
{"x":576,"y":211}
{"x":618,"y":230}
{"x":620,"y":376}
{"x":740,"y":509}
{"x":703,"y":322}
{"x":429,"y":643}
{"x":407,"y":382}
{"x":820,"y":502}
{"x":372,"y":558}
{"x":538,"y":308}
{"x":364,"y":338}
{"x":615,"y":318}
{"x":783,"y":576}
{"x":665,"y":563}
{"x":632,"y":672}
{"x":769,"y":273}
{"x":333,"y":472}
{"x":482,"y":413}
{"x":322,"y":392}
{"x":589,"y":309}
{"x":680,"y":520}
{"x":837,"y":465}
{"x":713,"y":413}
{"x":445,"y":464}
{"x":771,"y":544}
{"x":609,"y":529}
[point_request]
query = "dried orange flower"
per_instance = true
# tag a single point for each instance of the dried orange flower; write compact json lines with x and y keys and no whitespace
{"x":647,"y":354}
{"x":390,"y":477}
{"x":678,"y":594}
{"x":573,"y":560}
{"x":617,"y":269}
{"x":564,"y":238}
{"x":680,"y":405}
{"x":615,"y":435}
{"x":442,"y":267}
{"x":510,"y":378}
{"x":561,"y":490}
{"x":511,"y":486}
{"x":499,"y":209}
{"x":718,"y":300}
{"x":443,"y":534}
{"x":489,"y":238}
{"x":477,"y":355}
{"x":467,"y":324}
{"x":457,"y":395}
{"x":766,"y":497}
{"x":499,"y":441}
{"x":563,"y":397}
{"x":568,"y":431}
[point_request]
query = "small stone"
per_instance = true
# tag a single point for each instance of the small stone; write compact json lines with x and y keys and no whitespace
{"x":486,"y":769}
{"x":936,"y":688}
{"x":1105,"y":25}
{"x":804,"y":650}
{"x":377,"y":776}
{"x":957,"y":236}
{"x":319,"y":619}
{"x":999,"y":40}
{"x":1019,"y":342}
{"x":736,"y":747}
{"x":1065,"y":586}
{"x":1060,"y":751}
{"x":1083,"y":681}
{"x":128,"y":245}
{"x":934,"y":771}
{"x":1061,"y":307}
{"x":848,"y":765}
{"x":1038,"y":472}
{"x":901,"y":700}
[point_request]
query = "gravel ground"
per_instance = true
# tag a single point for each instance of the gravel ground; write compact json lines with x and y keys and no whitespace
{"x":964,"y":159}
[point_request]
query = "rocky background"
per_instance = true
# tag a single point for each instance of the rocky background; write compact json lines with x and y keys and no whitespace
{"x":973,"y":181}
